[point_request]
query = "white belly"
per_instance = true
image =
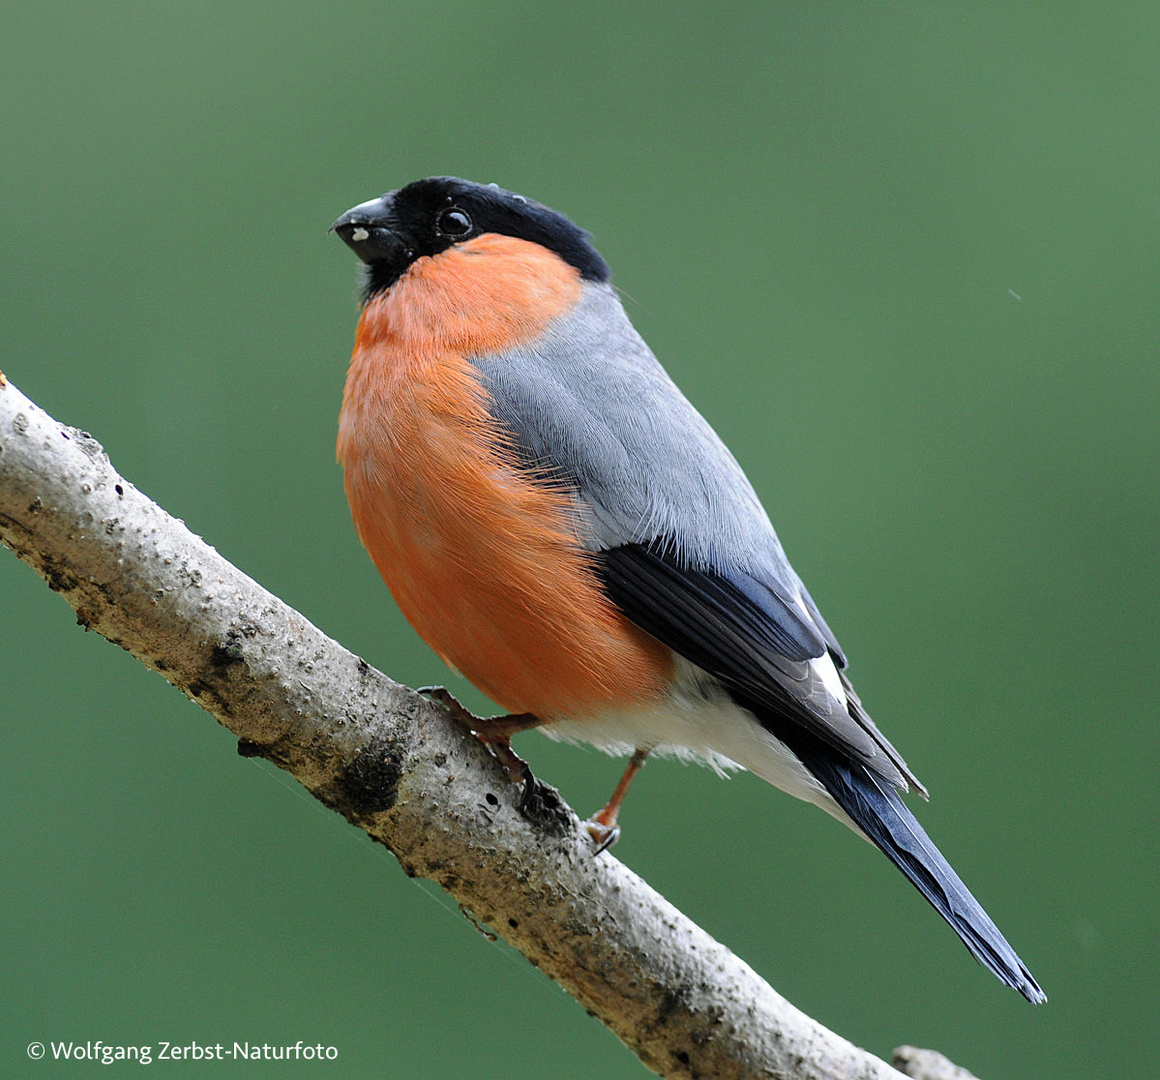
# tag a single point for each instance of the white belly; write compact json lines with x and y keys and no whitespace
{"x":698,"y":721}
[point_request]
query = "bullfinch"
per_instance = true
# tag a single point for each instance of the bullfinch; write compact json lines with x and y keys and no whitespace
{"x":561,"y":526}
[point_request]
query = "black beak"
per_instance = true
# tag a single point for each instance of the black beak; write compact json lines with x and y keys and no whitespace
{"x":368,"y":230}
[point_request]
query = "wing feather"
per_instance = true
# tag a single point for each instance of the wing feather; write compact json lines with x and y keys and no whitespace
{"x":760,"y":652}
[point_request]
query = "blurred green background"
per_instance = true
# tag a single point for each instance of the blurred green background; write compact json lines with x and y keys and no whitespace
{"x":903,"y":256}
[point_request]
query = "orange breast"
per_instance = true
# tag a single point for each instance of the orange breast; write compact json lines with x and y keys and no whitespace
{"x":482,"y":558}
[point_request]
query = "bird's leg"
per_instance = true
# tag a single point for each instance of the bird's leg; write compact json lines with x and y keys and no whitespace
{"x":495,"y":732}
{"x":602,"y":825}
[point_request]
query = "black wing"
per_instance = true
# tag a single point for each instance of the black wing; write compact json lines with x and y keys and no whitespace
{"x":759,"y":646}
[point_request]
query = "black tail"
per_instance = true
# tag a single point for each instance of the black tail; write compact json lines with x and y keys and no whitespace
{"x":880,"y":813}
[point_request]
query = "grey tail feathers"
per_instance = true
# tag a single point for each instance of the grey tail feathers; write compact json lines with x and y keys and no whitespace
{"x":878,"y":810}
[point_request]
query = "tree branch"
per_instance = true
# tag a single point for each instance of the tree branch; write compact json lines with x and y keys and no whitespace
{"x":396,"y":766}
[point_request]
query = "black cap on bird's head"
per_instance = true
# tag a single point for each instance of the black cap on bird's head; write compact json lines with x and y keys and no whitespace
{"x":432,"y":215}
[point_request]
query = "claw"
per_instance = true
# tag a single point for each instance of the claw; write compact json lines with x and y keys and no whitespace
{"x":442,"y":696}
{"x":603,"y":836}
{"x":531,"y":790}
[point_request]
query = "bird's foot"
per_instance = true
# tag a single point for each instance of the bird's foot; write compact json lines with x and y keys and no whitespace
{"x":603,"y":835}
{"x":495,"y":733}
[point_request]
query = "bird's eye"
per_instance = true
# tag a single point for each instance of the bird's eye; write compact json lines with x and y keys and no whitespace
{"x":453,"y":222}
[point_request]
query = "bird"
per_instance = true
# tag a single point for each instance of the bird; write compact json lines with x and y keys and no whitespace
{"x":563,"y":528}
